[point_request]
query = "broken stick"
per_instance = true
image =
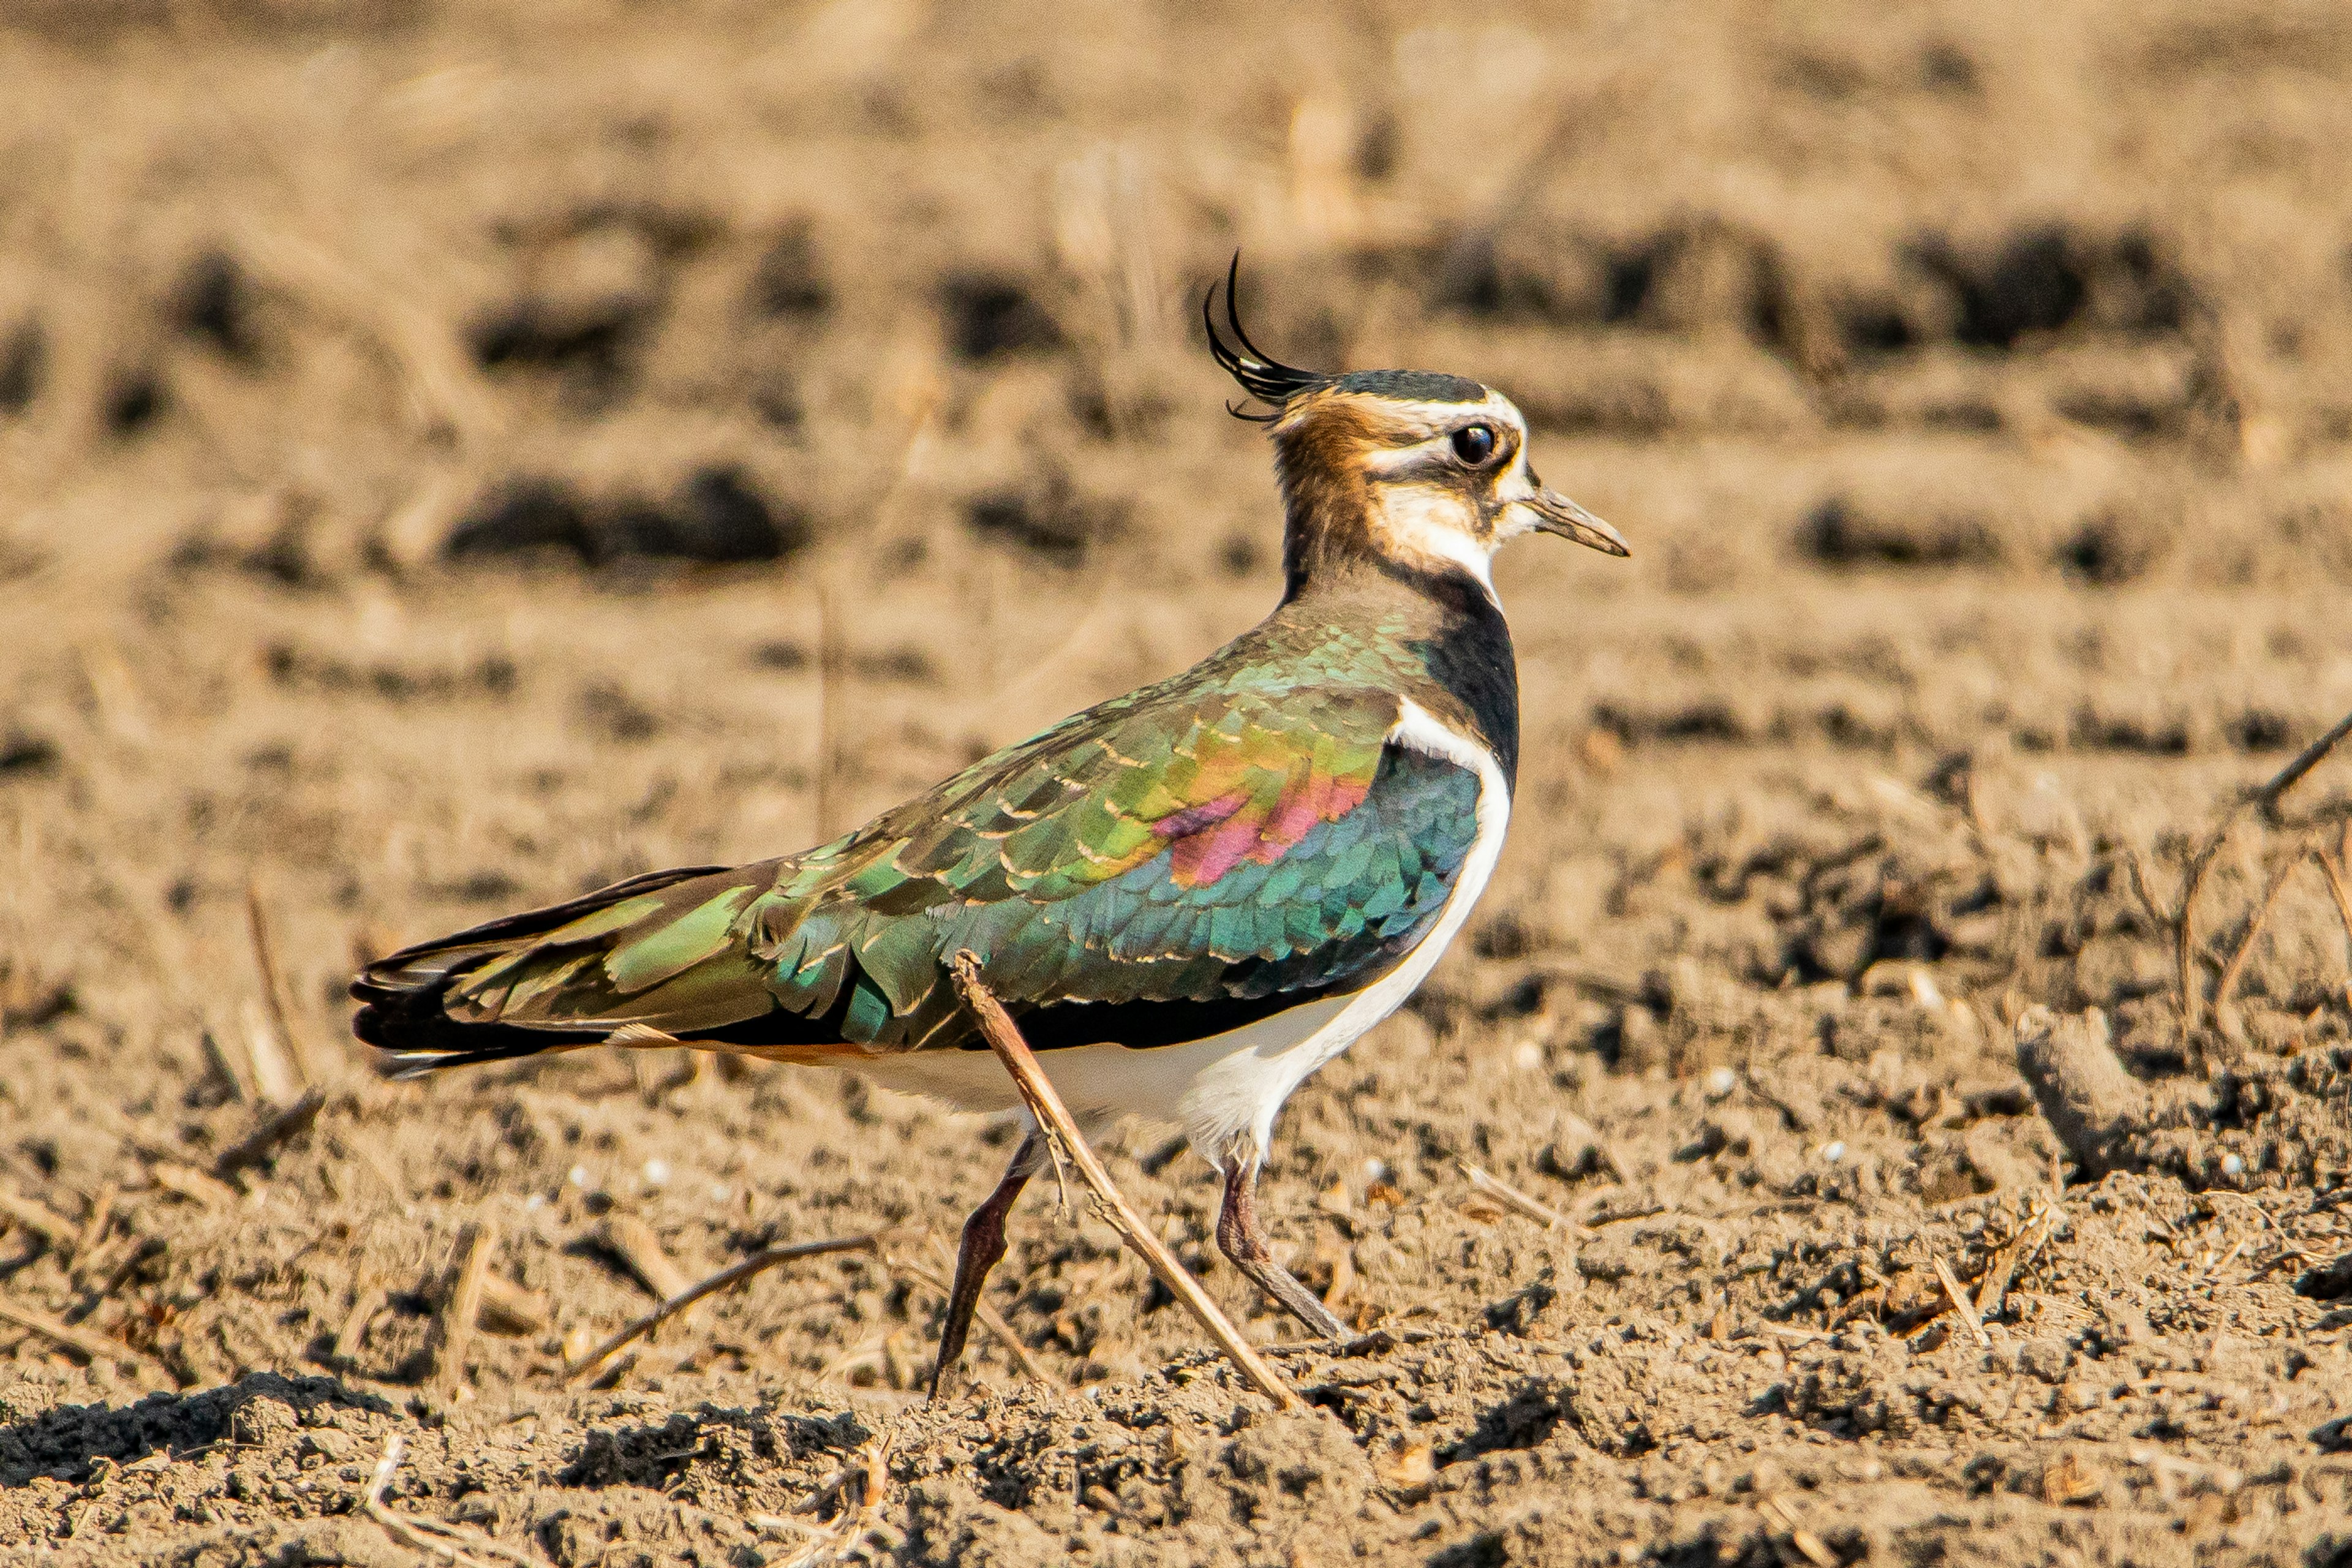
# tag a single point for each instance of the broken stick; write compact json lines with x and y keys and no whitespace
{"x":1061,"y":1133}
{"x":732,"y":1275}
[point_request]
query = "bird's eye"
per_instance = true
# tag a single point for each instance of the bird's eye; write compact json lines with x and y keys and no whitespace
{"x":1474,"y":444}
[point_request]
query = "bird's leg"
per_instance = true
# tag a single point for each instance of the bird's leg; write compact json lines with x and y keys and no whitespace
{"x":982,"y":1245}
{"x":1240,"y":1240}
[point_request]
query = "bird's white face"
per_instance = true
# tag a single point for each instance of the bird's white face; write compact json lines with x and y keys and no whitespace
{"x":1448,"y":483}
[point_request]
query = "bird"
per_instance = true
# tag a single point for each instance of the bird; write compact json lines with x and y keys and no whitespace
{"x":1189,"y":898}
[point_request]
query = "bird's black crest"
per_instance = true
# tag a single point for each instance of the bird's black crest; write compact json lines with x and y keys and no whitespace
{"x":1267,"y":379}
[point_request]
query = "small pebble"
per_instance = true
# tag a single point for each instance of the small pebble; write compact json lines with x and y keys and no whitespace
{"x":1833,"y":1153}
{"x":720,"y":1192}
{"x":1376,"y":1170}
{"x":578,"y":1177}
{"x":2232,"y":1165}
{"x":656,"y":1172}
{"x":1720,"y":1082}
{"x":534,"y":1203}
{"x":1529,"y":1056}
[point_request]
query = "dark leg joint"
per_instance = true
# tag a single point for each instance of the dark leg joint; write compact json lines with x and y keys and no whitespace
{"x":983,"y":1246}
{"x":1240,"y":1240}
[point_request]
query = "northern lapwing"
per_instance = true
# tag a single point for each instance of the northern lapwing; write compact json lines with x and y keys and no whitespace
{"x":1189,"y":897}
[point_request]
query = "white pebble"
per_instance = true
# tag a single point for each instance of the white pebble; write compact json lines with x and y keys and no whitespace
{"x":1833,"y":1153}
{"x":656,"y":1171}
{"x":2232,"y":1165}
{"x":578,"y":1177}
{"x":1721,"y":1082}
{"x":1376,"y":1170}
{"x":534,"y":1203}
{"x":1529,"y":1056}
{"x":720,"y":1192}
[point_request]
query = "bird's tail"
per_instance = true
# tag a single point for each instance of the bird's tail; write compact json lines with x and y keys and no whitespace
{"x":522,"y":985}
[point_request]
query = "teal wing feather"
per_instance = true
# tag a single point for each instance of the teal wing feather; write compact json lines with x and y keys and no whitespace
{"x":1220,"y":841}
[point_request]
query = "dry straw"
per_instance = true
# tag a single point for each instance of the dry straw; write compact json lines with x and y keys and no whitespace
{"x":1062,"y":1136}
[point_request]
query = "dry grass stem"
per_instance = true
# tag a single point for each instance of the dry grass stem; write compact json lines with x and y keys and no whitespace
{"x":845,"y":1535}
{"x":273,"y":990}
{"x":366,"y":1302}
{"x":2233,"y":971}
{"x":1813,"y":1548}
{"x":734,"y":1274}
{"x":187,"y":1182}
{"x":87,"y":1343}
{"x":29,"y":1213}
{"x":278,"y":1127}
{"x":2287,"y":777}
{"x":633,"y":1242}
{"x":1966,"y":1309}
{"x":1511,"y":1197}
{"x":508,"y":1308}
{"x":2184,"y":920}
{"x":2020,"y":1250}
{"x":463,"y":1308}
{"x":2335,"y":889}
{"x":1054,"y":1120}
{"x":430,"y":1536}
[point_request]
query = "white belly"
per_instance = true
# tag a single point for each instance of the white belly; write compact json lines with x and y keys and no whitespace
{"x":1225,"y":1090}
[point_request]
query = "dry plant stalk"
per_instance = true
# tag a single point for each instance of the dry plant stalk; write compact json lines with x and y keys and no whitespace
{"x":2335,"y":888}
{"x":463,"y":1305}
{"x":846,"y":1533}
{"x":2232,"y":970}
{"x":273,"y":990}
{"x":1962,"y":1305}
{"x":430,"y":1536}
{"x":87,"y":1343}
{"x":2184,"y":920}
{"x":2021,"y":1249}
{"x":1054,"y":1120}
{"x":277,"y":1127}
{"x":1811,"y":1547}
{"x":734,"y":1274}
{"x":635,"y":1241}
{"x":1511,"y":1197}
{"x":29,"y":1213}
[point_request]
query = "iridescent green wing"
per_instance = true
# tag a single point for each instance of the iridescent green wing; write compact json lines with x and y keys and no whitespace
{"x":1205,"y":841}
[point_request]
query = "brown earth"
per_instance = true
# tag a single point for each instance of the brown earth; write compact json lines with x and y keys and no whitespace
{"x":427,"y":432}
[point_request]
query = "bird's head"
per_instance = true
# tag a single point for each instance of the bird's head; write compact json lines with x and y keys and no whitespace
{"x":1422,"y":469}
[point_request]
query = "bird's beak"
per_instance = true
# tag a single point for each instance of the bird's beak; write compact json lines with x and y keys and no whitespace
{"x":1555,"y":513}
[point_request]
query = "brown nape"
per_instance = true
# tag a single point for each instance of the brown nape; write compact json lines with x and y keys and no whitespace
{"x":1318,"y":460}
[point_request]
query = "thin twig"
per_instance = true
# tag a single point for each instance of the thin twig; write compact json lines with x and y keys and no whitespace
{"x":430,"y":1536}
{"x":463,"y":1305}
{"x":734,"y":1274}
{"x":2287,"y":777}
{"x":1054,"y":1120}
{"x":84,"y":1342}
{"x":273,"y":987}
{"x":277,"y":1127}
{"x":1993,"y":1289}
{"x":848,"y":1528}
{"x":636,"y":1245}
{"x":1510,"y":1197}
{"x":1966,"y":1309}
{"x":2184,"y":935}
{"x":30,"y":1214}
{"x":2236,"y":965}
{"x":2335,"y":886}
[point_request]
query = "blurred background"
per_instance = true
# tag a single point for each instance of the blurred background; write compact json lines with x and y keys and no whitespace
{"x":432,"y":433}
